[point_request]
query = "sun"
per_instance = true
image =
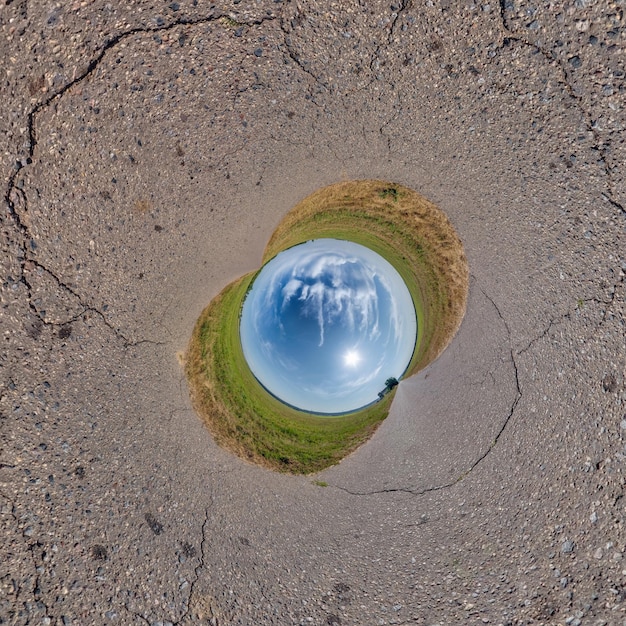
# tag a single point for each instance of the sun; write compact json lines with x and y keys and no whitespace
{"x":351,"y":358}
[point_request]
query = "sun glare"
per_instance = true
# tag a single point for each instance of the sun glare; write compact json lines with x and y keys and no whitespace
{"x":351,"y":358}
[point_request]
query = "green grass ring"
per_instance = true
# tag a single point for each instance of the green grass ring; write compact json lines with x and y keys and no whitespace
{"x":400,"y":225}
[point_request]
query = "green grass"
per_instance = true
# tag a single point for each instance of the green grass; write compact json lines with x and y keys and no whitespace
{"x":244,"y":418}
{"x":247,"y":420}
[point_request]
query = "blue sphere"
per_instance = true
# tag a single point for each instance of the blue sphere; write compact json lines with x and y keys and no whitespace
{"x":325,"y":324}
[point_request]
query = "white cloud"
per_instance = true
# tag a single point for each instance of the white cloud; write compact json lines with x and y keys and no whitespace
{"x":334,"y":288}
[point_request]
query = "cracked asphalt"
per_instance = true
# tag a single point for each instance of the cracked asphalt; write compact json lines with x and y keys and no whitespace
{"x":150,"y":149}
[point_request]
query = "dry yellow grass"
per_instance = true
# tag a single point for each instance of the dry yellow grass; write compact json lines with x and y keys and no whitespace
{"x":405,"y":228}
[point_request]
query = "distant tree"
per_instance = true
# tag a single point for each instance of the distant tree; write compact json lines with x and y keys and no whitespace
{"x":390,"y":383}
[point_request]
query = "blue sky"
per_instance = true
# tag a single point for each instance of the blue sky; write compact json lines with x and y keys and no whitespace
{"x":326,"y":323}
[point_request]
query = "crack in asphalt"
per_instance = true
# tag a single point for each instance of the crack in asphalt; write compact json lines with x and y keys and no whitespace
{"x":403,"y":6}
{"x":201,"y":564}
{"x":295,"y":57}
{"x":17,"y":201}
{"x":187,"y":607}
{"x":91,"y":67}
{"x":609,"y":303}
{"x":555,"y":321}
{"x":483,"y":456}
{"x":139,"y":616}
{"x":389,"y":120}
{"x":31,"y":546}
{"x":551,"y":324}
{"x":599,"y":145}
{"x":37,"y":592}
{"x":85,"y":308}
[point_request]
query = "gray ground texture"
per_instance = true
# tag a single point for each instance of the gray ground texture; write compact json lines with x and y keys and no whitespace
{"x":149,"y":151}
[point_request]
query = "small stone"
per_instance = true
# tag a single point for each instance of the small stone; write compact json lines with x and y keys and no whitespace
{"x":622,"y":424}
{"x":567,"y":547}
{"x":593,"y":518}
{"x":155,"y":526}
{"x":598,"y":553}
{"x":258,"y":52}
{"x":575,"y":61}
{"x":609,"y":383}
{"x":99,"y":552}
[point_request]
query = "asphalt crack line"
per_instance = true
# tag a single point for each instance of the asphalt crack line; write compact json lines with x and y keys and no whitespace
{"x":483,"y":456}
{"x":552,"y":323}
{"x":599,"y":145}
{"x":609,"y":303}
{"x":201,"y":564}
{"x":556,"y":321}
{"x":15,"y":198}
{"x":85,"y":308}
{"x":91,"y":67}
{"x":293,"y":55}
{"x":16,"y":586}
{"x":404,"y":5}
{"x":138,"y":616}
{"x":390,"y":120}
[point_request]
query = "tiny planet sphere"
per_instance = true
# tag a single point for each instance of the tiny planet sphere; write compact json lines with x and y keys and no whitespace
{"x":325,"y":324}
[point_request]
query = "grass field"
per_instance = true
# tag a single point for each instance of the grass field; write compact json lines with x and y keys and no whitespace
{"x":397,"y":223}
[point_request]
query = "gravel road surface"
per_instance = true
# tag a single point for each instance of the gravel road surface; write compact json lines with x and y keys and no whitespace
{"x":149,"y":151}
